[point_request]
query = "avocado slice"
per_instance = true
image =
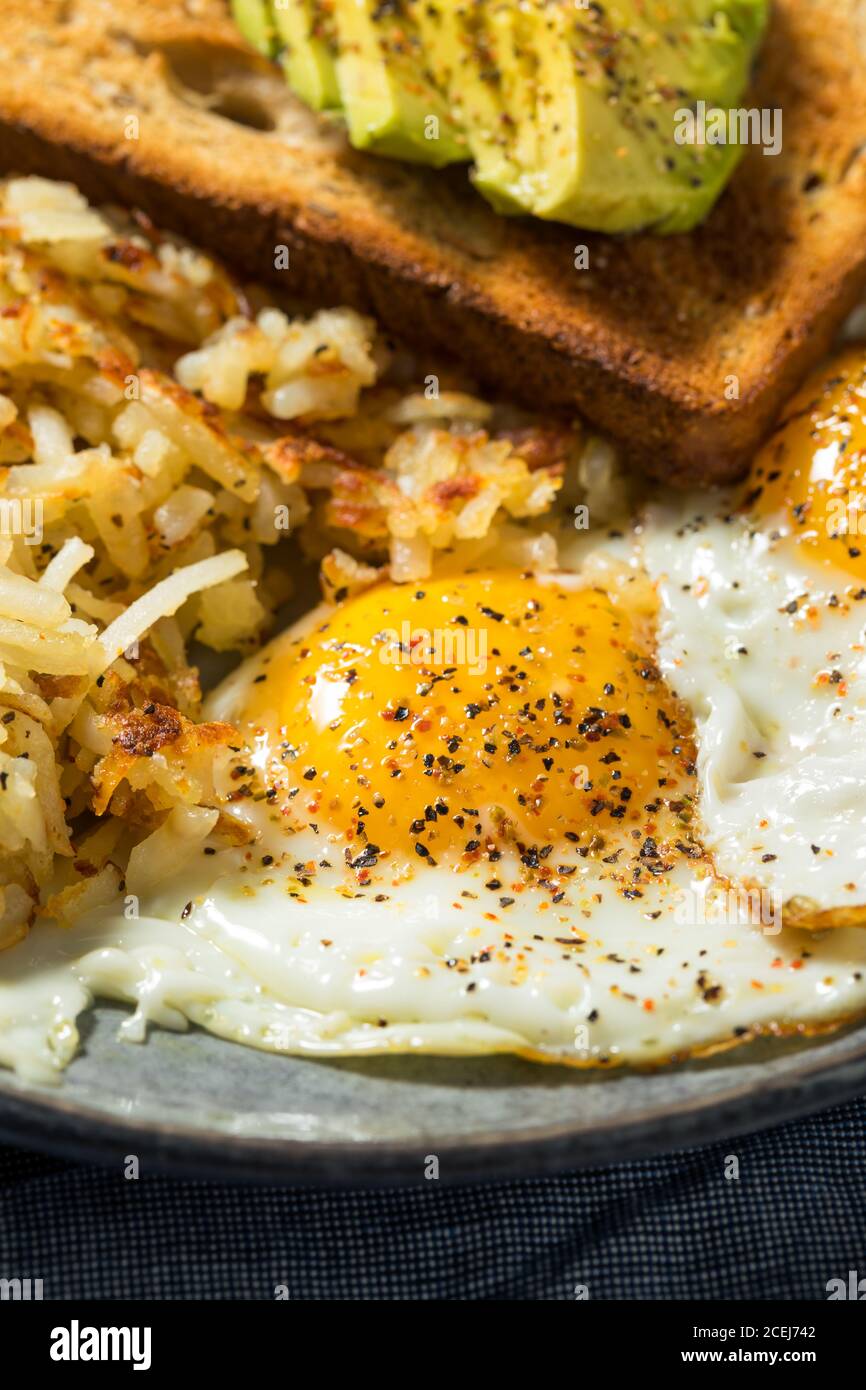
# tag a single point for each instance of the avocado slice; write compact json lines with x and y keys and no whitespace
{"x":611,"y":82}
{"x":307,"y":31}
{"x":506,"y":24}
{"x":390,"y":102}
{"x":463,"y":62}
{"x":253,"y":18}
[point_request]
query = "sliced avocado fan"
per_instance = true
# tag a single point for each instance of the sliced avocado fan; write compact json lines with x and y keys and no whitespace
{"x":574,"y":111}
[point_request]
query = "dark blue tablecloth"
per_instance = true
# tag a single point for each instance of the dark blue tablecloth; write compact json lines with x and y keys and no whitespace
{"x":674,"y":1227}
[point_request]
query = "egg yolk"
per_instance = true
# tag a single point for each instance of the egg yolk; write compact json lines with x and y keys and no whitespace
{"x":471,"y":711}
{"x":809,"y":479}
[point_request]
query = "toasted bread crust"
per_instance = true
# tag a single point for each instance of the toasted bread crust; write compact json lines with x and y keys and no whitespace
{"x":682,"y":348}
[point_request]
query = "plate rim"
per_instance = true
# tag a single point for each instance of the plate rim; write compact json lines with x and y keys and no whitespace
{"x":86,"y":1134}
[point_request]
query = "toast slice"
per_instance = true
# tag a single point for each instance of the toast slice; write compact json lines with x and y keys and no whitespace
{"x":681,"y":347}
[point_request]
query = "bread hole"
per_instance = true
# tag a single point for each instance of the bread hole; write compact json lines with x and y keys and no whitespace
{"x":206,"y":68}
{"x":219,"y":80}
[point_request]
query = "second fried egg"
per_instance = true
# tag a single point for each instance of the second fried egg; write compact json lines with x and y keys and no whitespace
{"x":761,"y":630}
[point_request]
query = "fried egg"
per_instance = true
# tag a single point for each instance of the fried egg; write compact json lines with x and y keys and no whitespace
{"x":604,"y":815}
{"x":761,"y":630}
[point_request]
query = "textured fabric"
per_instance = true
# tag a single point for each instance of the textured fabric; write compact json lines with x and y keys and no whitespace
{"x":673,"y":1227}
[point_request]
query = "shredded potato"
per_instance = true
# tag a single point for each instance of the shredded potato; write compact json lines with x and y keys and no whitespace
{"x":143,"y":506}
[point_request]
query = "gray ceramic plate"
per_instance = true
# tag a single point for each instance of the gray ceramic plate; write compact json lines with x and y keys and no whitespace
{"x":191,"y":1103}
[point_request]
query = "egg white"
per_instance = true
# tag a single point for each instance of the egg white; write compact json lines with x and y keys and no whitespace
{"x":746,"y":628}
